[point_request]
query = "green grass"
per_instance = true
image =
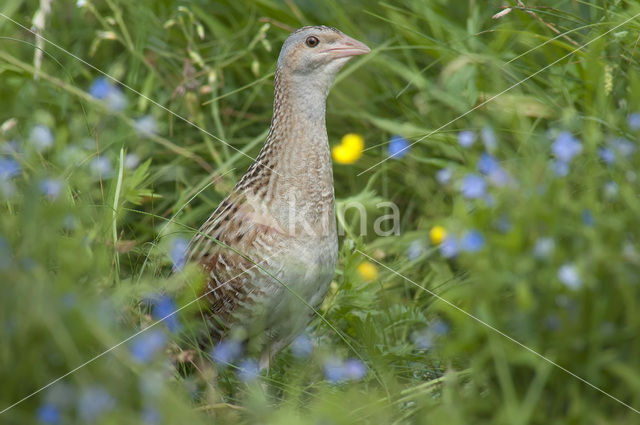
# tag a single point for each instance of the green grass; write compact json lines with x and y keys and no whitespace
{"x":77,"y":268}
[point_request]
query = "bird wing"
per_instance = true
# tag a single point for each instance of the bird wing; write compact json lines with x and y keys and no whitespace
{"x":233,"y":246}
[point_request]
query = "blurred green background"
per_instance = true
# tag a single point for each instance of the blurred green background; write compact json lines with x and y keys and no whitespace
{"x":528,"y":174}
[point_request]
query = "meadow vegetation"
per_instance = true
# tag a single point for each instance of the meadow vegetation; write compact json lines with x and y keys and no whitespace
{"x":506,"y":137}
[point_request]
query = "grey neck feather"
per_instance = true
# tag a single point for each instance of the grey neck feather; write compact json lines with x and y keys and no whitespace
{"x":295,"y":162}
{"x":297,"y":139}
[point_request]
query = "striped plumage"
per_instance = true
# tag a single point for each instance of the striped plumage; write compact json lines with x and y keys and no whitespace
{"x":279,"y":218}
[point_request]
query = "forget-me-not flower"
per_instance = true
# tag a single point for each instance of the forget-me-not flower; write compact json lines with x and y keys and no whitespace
{"x":145,"y":345}
{"x":226,"y":352}
{"x":93,"y":402}
{"x":566,"y":146}
{"x":150,"y":416}
{"x":444,"y":175}
{"x":302,"y":346}
{"x":568,"y":274}
{"x":398,"y":147}
{"x":607,"y":155}
{"x":544,"y":247}
{"x":41,"y":137}
{"x":48,"y":413}
{"x":131,"y":161}
{"x":466,"y":138}
{"x":9,"y":168}
{"x":248,"y":370}
{"x":101,"y":167}
{"x":178,"y":253}
{"x":489,"y":138}
{"x":450,"y":247}
{"x":112,"y":95}
{"x":165,"y":309}
{"x":488,"y":164}
{"x":473,"y":186}
{"x":472,"y":241}
{"x":51,"y":188}
{"x":634,"y":120}
{"x":146,"y":126}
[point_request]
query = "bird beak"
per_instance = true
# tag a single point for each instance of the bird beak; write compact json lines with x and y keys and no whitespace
{"x":347,"y":47}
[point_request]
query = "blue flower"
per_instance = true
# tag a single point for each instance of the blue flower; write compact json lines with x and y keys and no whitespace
{"x":93,"y":402}
{"x":544,"y":247}
{"x":111,"y":94}
{"x":48,"y":413}
{"x":334,"y":371}
{"x":568,"y":274}
{"x":466,"y":138}
{"x":415,"y":249}
{"x":302,"y":346}
{"x":472,"y":241}
{"x":634,"y":120}
{"x":439,"y":327}
{"x":41,"y":137}
{"x":100,"y":88}
{"x":225,"y":352}
{"x":489,"y":138}
{"x":566,"y":146}
{"x":611,"y":189}
{"x":500,"y":178}
{"x":131,"y":161}
{"x":423,"y":339}
{"x":150,"y":416}
{"x":11,"y":148}
{"x":450,"y":247}
{"x":68,"y":300}
{"x":503,"y":224}
{"x":101,"y":167}
{"x":398,"y":147}
{"x":51,"y":188}
{"x":355,"y":370}
{"x":248,"y":370}
{"x":164,"y":308}
{"x":178,"y":253}
{"x":146,"y":344}
{"x":607,"y":155}
{"x":561,"y":168}
{"x":8,"y":168}
{"x":587,"y":217}
{"x":444,"y":175}
{"x":623,"y":146}
{"x":488,"y":164}
{"x":146,"y":126}
{"x":69,"y":222}
{"x":473,"y":186}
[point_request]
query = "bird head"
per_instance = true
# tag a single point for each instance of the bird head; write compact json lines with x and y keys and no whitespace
{"x":314,"y":55}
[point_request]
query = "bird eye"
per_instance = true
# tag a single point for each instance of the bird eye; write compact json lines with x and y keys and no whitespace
{"x":312,"y":41}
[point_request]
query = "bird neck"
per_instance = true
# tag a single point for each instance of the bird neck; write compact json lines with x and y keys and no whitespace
{"x":297,"y":138}
{"x":293,"y":170}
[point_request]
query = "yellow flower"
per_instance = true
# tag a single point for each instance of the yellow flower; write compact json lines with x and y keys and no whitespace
{"x":437,"y":234}
{"x":353,"y":141}
{"x":349,"y":150}
{"x":368,"y":270}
